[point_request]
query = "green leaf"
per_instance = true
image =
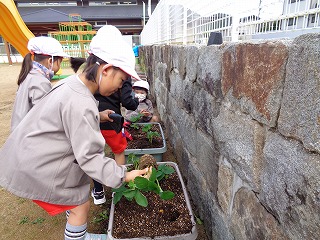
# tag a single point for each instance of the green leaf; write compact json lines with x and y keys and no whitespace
{"x":131,"y":185}
{"x":141,"y":199}
{"x":161,"y":166}
{"x":146,"y":128}
{"x":120,"y":189}
{"x":141,"y":182}
{"x":166,"y":195}
{"x":130,"y":193}
{"x":168,"y":170}
{"x":199,"y":221}
{"x":38,"y":220}
{"x":117,"y":196}
{"x":160,"y":175}
{"x":24,"y":220}
{"x":153,"y":187}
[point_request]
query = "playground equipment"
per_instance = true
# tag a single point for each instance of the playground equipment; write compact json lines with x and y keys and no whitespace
{"x":13,"y":28}
{"x":74,"y":36}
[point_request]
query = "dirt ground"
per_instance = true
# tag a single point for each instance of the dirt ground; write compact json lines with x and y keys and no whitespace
{"x":21,"y":218}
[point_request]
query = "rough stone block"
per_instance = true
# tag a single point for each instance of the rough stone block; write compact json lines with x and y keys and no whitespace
{"x":225,"y":182}
{"x":179,"y":60}
{"x":192,"y":55}
{"x":300,"y":109}
{"x":207,"y":160}
{"x":254,"y":76}
{"x":291,"y":186}
{"x":209,"y":70}
{"x":214,"y":220}
{"x":251,"y":221}
{"x":207,"y":107}
{"x":241,"y":140}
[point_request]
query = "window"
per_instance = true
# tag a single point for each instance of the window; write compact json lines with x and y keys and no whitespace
{"x":313,"y":18}
{"x":291,"y":21}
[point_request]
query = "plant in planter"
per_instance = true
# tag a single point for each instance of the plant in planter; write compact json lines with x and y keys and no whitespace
{"x":148,"y":138}
{"x":159,"y":218}
{"x":150,"y":182}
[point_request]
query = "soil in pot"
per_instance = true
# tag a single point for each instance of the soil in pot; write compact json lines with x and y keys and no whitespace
{"x":159,"y":218}
{"x":141,"y":141}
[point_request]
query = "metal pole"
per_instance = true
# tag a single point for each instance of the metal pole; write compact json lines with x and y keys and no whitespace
{"x":6,"y":45}
{"x":144,"y":13}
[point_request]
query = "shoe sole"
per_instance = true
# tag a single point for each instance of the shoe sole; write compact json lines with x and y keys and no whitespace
{"x":98,"y":201}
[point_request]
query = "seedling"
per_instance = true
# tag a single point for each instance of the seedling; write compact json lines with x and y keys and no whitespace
{"x":101,"y":217}
{"x":151,"y":135}
{"x":133,"y":189}
{"x":135,"y":126}
{"x":134,"y":160}
{"x":24,"y":220}
{"x":136,"y":118}
{"x":146,"y":128}
{"x":38,"y":220}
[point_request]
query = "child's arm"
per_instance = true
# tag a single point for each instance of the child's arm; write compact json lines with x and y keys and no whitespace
{"x":148,"y":112}
{"x":36,"y":92}
{"x":127,"y":100}
{"x":129,"y":114}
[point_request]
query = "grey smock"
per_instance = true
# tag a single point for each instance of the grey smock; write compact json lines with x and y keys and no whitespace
{"x":57,"y":148}
{"x":146,"y":104}
{"x":30,"y":91}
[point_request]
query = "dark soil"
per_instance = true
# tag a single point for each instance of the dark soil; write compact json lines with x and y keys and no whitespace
{"x":140,"y":140}
{"x":159,"y":218}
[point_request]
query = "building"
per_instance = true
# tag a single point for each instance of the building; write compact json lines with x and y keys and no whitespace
{"x":43,"y":16}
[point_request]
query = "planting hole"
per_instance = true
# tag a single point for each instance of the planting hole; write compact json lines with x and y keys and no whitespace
{"x":168,"y":213}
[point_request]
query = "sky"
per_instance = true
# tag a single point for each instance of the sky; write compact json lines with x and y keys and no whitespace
{"x":269,"y":8}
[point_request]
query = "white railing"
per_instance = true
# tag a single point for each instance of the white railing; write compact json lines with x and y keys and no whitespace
{"x":192,"y":21}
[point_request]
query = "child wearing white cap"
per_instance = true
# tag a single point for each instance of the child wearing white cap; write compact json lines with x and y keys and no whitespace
{"x":145,"y":107}
{"x":60,"y":139}
{"x":38,"y":67}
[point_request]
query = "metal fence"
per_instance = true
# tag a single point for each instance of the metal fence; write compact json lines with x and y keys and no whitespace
{"x":192,"y":21}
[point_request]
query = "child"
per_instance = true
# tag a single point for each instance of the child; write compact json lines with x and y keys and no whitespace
{"x":145,"y":107}
{"x":57,"y":148}
{"x":116,"y":141}
{"x":38,"y":67}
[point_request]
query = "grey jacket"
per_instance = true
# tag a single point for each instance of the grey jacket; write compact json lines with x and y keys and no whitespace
{"x":145,"y":104}
{"x":30,"y":91}
{"x":57,"y":148}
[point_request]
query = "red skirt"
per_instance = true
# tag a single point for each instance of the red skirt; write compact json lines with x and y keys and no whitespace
{"x":53,"y":209}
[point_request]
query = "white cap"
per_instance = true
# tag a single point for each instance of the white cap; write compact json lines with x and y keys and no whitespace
{"x":46,"y":46}
{"x":141,"y":84}
{"x":109,"y":45}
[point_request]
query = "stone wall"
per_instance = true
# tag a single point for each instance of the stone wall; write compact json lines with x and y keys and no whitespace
{"x":243,"y":120}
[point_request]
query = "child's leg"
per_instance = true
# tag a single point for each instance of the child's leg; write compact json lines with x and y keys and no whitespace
{"x":120,"y":158}
{"x":76,"y":227}
{"x":97,"y":186}
{"x":98,"y":193}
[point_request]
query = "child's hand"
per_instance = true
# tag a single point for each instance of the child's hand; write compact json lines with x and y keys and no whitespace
{"x":104,"y":115}
{"x":145,"y":112}
{"x":135,"y":173}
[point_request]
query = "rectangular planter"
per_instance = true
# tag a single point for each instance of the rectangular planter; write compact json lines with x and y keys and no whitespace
{"x":191,"y":236}
{"x":156,"y":152}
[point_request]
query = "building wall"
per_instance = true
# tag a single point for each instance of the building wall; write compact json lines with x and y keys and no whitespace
{"x":243,"y":120}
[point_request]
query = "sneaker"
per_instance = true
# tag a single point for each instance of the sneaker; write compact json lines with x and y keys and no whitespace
{"x":98,"y":197}
{"x":91,"y":236}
